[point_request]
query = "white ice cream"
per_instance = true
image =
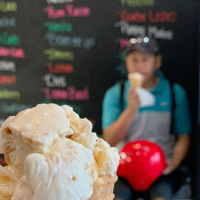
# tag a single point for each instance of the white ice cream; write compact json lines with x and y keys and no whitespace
{"x":8,"y":181}
{"x":82,"y":129}
{"x":106,"y":158}
{"x":68,"y":173}
{"x":136,"y":75}
{"x":32,"y":130}
{"x":136,"y":79}
{"x":55,"y":154}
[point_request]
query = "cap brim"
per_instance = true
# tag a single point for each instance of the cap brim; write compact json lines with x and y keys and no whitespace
{"x":137,"y":48}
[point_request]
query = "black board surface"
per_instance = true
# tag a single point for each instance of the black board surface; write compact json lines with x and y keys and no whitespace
{"x":71,"y":51}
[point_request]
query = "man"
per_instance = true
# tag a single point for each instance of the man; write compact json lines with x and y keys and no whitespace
{"x":152,"y":123}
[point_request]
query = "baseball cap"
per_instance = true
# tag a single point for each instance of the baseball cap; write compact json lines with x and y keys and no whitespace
{"x":146,"y":45}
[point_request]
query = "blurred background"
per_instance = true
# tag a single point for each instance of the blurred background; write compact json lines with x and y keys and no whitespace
{"x":71,"y":51}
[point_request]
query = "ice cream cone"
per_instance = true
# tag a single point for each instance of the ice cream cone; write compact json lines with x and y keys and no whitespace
{"x":136,"y":79}
{"x":103,"y":188}
{"x":8,"y":183}
{"x":4,"y":196}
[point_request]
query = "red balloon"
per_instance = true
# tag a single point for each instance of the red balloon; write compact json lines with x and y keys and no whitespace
{"x":141,"y":163}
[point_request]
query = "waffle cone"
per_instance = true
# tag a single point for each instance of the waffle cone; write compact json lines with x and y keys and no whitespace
{"x":4,"y":196}
{"x":8,"y":183}
{"x":136,"y":79}
{"x":103,"y":188}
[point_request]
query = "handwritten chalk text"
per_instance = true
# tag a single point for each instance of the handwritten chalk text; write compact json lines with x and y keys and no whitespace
{"x":9,"y":6}
{"x":128,"y":29}
{"x":76,"y":42}
{"x":137,"y":30}
{"x":53,"y":54}
{"x":161,"y":33}
{"x":58,"y":1}
{"x":9,"y":94}
{"x":71,"y":93}
{"x":6,"y":39}
{"x":9,"y":80}
{"x":7,"y":22}
{"x":13,"y":108}
{"x":77,"y":12}
{"x":60,"y":68}
{"x":137,"y":3}
{"x":157,"y":33}
{"x":68,"y":11}
{"x":169,"y":17}
{"x":12,"y":52}
{"x":7,"y":66}
{"x":157,"y":17}
{"x":58,"y":27}
{"x":53,"y":13}
{"x":133,"y":17}
{"x":54,"y":81}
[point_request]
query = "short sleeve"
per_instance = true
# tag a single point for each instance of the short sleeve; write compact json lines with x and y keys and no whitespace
{"x":111,"y":106}
{"x":182,"y":112}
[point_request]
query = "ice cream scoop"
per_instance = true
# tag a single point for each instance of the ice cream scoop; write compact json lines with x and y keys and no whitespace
{"x":32,"y":131}
{"x":53,"y":154}
{"x":8,"y":182}
{"x":68,"y":171}
{"x":136,"y":79}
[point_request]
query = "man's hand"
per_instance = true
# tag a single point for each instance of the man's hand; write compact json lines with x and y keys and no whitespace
{"x":133,"y":99}
{"x":170,"y":167}
{"x":180,"y":151}
{"x":118,"y":129}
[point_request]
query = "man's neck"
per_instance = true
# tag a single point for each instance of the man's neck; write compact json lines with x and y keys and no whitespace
{"x":151,"y":83}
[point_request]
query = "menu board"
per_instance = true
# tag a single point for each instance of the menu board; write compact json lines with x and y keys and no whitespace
{"x":44,"y":54}
{"x":71,"y":51}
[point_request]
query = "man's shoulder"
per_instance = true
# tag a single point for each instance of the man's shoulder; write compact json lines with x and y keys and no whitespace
{"x":113,"y":89}
{"x":178,"y":89}
{"x":116,"y":88}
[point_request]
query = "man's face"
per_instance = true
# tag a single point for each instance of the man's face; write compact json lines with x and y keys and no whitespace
{"x":136,"y":61}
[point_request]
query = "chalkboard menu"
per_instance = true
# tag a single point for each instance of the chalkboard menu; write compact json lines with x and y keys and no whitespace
{"x":71,"y":51}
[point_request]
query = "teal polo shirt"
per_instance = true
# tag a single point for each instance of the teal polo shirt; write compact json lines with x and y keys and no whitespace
{"x":153,"y":122}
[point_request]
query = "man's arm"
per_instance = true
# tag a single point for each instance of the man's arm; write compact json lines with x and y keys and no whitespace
{"x":182,"y":125}
{"x":118,"y":130}
{"x":180,"y":151}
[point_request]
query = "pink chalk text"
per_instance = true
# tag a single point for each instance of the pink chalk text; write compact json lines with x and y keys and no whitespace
{"x":12,"y":52}
{"x":68,"y":11}
{"x":71,"y":93}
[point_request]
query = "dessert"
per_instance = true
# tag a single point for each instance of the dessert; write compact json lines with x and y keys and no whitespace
{"x":53,"y":154}
{"x":136,"y":79}
{"x":8,"y":183}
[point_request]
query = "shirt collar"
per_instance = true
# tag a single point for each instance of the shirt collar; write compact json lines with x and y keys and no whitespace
{"x":160,"y":86}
